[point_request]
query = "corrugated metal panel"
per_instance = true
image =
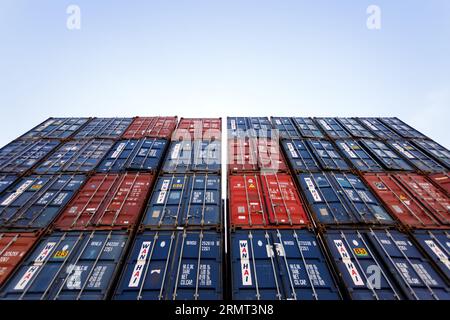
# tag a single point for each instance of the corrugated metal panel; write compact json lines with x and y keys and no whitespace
{"x":13,"y":248}
{"x":69,"y":266}
{"x":35,"y":201}
{"x":360,"y":159}
{"x":327,"y":155}
{"x":286,"y":128}
{"x":56,"y":128}
{"x":173,"y":265}
{"x":442,"y":180}
{"x":151,"y":127}
{"x":361,"y":270}
{"x":6,"y":181}
{"x":108,"y":201}
{"x":385,"y":155}
{"x":279,"y":264}
{"x":401,"y":128}
{"x":400,"y":202}
{"x":237,"y":126}
{"x":411,"y":269}
{"x":355,"y":128}
{"x":435,"y":150}
{"x":416,"y":157}
{"x":260,"y":126}
{"x":76,"y":156}
{"x":333,"y":129}
{"x":198,"y":129}
{"x":436,"y":243}
{"x":342,"y":199}
{"x":104,"y":128}
{"x":378,"y":128}
{"x":307,"y":127}
{"x":134,"y":155}
{"x":265,"y":200}
{"x":193,"y":156}
{"x":299,"y":156}
{"x":185,"y":200}
{"x":20,"y":156}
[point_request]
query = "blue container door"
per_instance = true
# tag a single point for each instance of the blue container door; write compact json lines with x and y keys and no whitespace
{"x":196,"y":156}
{"x":6,"y":181}
{"x":307,"y":128}
{"x":401,"y":128}
{"x":305,"y":273}
{"x":260,"y":127}
{"x":355,"y":128}
{"x":299,"y":156}
{"x":56,"y":128}
{"x":237,"y":126}
{"x":327,"y":155}
{"x":360,"y":159}
{"x":363,"y":274}
{"x":104,"y":128}
{"x":286,"y":128}
{"x":333,"y":129}
{"x":378,"y":128}
{"x":435,"y":150}
{"x":386,"y":155}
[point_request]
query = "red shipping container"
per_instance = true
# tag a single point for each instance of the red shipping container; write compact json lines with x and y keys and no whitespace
{"x":107,"y":201}
{"x":401,"y":203}
{"x":198,"y":129}
{"x":430,"y":196}
{"x":265,"y":200}
{"x":13,"y":248}
{"x":254,"y":154}
{"x":151,"y":127}
{"x":442,"y":180}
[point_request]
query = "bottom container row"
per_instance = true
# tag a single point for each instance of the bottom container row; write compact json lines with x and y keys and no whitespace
{"x":190,"y":265}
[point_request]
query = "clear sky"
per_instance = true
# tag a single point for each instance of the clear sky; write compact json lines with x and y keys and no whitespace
{"x":225,"y":57}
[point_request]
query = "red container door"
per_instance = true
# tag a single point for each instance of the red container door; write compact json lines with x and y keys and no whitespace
{"x":429,"y":195}
{"x":199,"y":128}
{"x":107,"y":201}
{"x":13,"y":248}
{"x":400,"y":202}
{"x":443,"y":180}
{"x":242,"y":155}
{"x":270,"y":157}
{"x":283,"y":203}
{"x":154,"y":127}
{"x":246,"y":201}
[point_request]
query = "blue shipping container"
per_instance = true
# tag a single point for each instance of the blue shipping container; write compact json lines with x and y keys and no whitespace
{"x":69,"y":266}
{"x":360,"y":159}
{"x":364,"y":275}
{"x":420,"y":160}
{"x":76,"y":156}
{"x":385,"y":155}
{"x":260,"y":127}
{"x":412,"y":270}
{"x":355,"y":128}
{"x":327,"y":155}
{"x":141,"y":155}
{"x":337,"y":199}
{"x":20,"y":155}
{"x":56,"y":128}
{"x":173,"y":265}
{"x":278,"y":265}
{"x":299,"y":156}
{"x":6,"y":181}
{"x":378,"y":128}
{"x":196,"y":156}
{"x":436,"y":243}
{"x":185,"y":200}
{"x":307,"y":127}
{"x":35,"y":201}
{"x":333,"y":129}
{"x":435,"y":150}
{"x":237,"y":126}
{"x":402,"y":128}
{"x":106,"y":128}
{"x":286,"y":128}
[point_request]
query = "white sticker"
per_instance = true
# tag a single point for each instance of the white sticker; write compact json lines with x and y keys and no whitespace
{"x":347,"y":261}
{"x":245,"y":263}
{"x":162,"y":194}
{"x":280,"y":249}
{"x":312,"y":190}
{"x":176,"y":151}
{"x":403,"y":151}
{"x":140,"y":264}
{"x":233,"y":124}
{"x":38,"y":262}
{"x":325,"y":125}
{"x":118,"y":150}
{"x":16,"y":194}
{"x":292,"y":150}
{"x":348,"y":150}
{"x":277,"y":121}
{"x":370,"y":125}
{"x":438,"y":252}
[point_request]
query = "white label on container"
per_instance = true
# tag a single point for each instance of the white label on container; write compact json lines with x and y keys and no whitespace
{"x":403,"y":151}
{"x":38,"y":262}
{"x":370,"y":125}
{"x":325,"y":125}
{"x":277,"y":121}
{"x":438,"y":252}
{"x":233,"y":124}
{"x":280,"y":249}
{"x":348,"y":150}
{"x":347,"y":261}
{"x":176,"y":151}
{"x":163,"y":192}
{"x":312,"y":190}
{"x":118,"y":150}
{"x":18,"y":192}
{"x":140,"y":264}
{"x":245,"y":263}
{"x":292,"y":150}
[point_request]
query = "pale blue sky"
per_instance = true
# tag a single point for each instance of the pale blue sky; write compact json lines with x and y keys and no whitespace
{"x":233,"y":57}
